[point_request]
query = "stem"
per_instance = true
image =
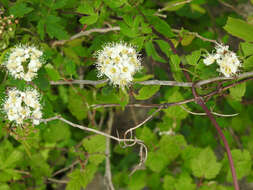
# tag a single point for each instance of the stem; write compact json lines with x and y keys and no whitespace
{"x":200,"y":101}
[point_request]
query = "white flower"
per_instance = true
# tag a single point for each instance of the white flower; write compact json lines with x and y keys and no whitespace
{"x":21,"y":57}
{"x":227,"y":60}
{"x":210,"y":59}
{"x":119,"y":62}
{"x":20,"y":106}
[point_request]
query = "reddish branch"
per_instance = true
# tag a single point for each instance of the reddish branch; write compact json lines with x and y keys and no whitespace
{"x":199,"y":100}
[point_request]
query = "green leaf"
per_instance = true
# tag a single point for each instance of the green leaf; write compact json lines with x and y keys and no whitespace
{"x":156,"y":161}
{"x":194,"y":57}
{"x":12,"y":159}
{"x":127,"y":31}
{"x":20,"y":9}
{"x":165,"y":47}
{"x":174,"y":5}
{"x":247,"y":48}
{"x":114,"y":4}
{"x":205,"y":164}
{"x":41,"y":28}
{"x":70,"y":67}
{"x":175,"y":67}
{"x":95,"y":146}
{"x":52,"y":72}
{"x":175,"y":111}
{"x":89,"y":19}
{"x":243,"y":163}
{"x":81,"y":178}
{"x":248,"y":64}
{"x":238,"y":91}
{"x":161,"y":26}
{"x":169,"y":182}
{"x":56,"y":131}
{"x":77,"y":104}
{"x":239,"y":28}
{"x":39,"y":166}
{"x":54,"y":28}
{"x":185,"y":182}
{"x":59,"y":4}
{"x":187,"y":40}
{"x":137,"y":181}
{"x":4,"y":187}
{"x":150,"y":49}
{"x":172,"y":146}
{"x":147,"y":92}
{"x":147,"y":136}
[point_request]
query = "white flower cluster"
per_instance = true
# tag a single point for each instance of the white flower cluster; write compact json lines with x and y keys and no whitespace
{"x":119,"y":62}
{"x":226,"y":59}
{"x":20,"y":106}
{"x":23,"y":62}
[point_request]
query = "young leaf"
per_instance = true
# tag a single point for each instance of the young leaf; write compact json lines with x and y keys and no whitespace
{"x":243,"y":163}
{"x":238,"y":91}
{"x":52,"y":73}
{"x":95,"y":145}
{"x":194,"y":57}
{"x":146,"y":92}
{"x":247,"y":48}
{"x":205,"y":164}
{"x":239,"y":28}
{"x":20,"y":9}
{"x":81,"y":178}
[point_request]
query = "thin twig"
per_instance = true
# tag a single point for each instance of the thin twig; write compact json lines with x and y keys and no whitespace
{"x":214,"y":113}
{"x":87,"y":129}
{"x":233,"y":8}
{"x":66,"y":168}
{"x":85,"y":33}
{"x":108,"y":174}
{"x":140,"y":124}
{"x":174,"y":5}
{"x":196,"y":35}
{"x":57,"y":180}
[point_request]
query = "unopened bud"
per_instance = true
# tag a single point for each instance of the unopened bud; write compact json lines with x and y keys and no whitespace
{"x":12,"y":16}
{"x":5,"y":18}
{"x":16,"y":21}
{"x":4,"y":24}
{"x":10,"y":29}
{"x":9,"y":22}
{"x":1,"y":31}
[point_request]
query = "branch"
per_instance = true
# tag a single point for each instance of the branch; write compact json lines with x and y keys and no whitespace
{"x":142,"y":123}
{"x":169,"y":104}
{"x":157,"y":82}
{"x":201,"y":102}
{"x":89,"y":129}
{"x":82,"y":82}
{"x":108,"y":174}
{"x":85,"y":33}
